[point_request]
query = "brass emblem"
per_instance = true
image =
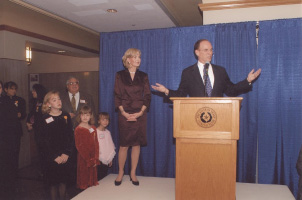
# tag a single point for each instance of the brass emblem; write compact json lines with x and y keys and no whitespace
{"x":206,"y":117}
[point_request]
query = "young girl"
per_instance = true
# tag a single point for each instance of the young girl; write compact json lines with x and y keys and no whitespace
{"x":88,"y":149}
{"x":57,"y":143}
{"x":106,"y":146}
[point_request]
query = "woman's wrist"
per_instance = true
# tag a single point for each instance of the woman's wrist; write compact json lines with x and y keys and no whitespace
{"x":143,"y":109}
{"x":121,"y":109}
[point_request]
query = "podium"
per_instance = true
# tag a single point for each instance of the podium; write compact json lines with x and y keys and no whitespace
{"x":206,"y":132}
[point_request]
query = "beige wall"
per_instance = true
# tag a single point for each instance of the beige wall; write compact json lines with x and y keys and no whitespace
{"x":252,"y":14}
{"x":13,"y":47}
{"x":50,"y":63}
{"x":2,"y":45}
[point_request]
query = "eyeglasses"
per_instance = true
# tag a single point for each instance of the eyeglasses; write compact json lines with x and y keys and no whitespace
{"x":73,"y":83}
{"x":207,"y":50}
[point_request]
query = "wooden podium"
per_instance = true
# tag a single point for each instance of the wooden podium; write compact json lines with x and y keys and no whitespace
{"x":206,"y":132}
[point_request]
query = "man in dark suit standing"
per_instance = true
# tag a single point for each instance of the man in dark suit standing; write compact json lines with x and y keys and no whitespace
{"x":73,"y":100}
{"x":204,"y":79}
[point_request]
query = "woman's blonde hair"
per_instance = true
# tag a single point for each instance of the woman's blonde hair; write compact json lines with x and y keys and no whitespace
{"x":84,"y":110}
{"x":45,"y":107}
{"x":129,"y":54}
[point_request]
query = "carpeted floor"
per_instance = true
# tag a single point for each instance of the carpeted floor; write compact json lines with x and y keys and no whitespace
{"x":30,"y":186}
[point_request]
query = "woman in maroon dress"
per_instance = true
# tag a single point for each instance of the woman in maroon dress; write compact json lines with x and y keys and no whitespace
{"x":132,"y":98}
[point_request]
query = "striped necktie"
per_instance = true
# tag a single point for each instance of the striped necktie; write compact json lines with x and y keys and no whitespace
{"x":207,"y":81}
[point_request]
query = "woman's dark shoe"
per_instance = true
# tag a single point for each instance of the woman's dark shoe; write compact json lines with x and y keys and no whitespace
{"x":117,"y":183}
{"x":134,"y":182}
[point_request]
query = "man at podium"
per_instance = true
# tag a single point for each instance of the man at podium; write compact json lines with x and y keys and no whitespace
{"x":204,"y":79}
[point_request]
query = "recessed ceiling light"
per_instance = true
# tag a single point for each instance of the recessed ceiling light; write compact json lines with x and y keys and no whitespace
{"x":112,"y":10}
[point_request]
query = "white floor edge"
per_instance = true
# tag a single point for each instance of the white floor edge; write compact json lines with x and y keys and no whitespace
{"x":154,"y":188}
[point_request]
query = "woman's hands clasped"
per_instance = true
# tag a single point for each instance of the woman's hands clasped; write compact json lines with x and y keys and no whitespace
{"x":132,"y":117}
{"x":62,"y":159}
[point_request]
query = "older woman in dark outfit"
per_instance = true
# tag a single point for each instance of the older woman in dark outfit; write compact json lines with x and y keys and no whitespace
{"x":35,"y":115}
{"x":20,"y":106}
{"x":38,"y":92}
{"x":5,"y":167}
{"x":8,"y":118}
{"x":13,"y":112}
{"x":132,"y":98}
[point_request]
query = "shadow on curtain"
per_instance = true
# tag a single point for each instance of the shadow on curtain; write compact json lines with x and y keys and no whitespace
{"x":280,"y":101}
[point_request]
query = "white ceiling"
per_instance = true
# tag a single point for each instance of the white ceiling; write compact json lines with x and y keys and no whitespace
{"x":131,"y":15}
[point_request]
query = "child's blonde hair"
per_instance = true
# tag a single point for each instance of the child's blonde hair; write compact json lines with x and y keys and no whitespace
{"x":84,"y":110}
{"x":45,"y":107}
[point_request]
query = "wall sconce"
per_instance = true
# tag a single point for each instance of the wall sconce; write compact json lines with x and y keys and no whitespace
{"x":28,"y":55}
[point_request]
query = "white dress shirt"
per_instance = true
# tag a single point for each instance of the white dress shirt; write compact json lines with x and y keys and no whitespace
{"x":210,"y":72}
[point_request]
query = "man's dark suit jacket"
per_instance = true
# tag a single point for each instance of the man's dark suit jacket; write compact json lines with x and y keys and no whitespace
{"x":85,"y":99}
{"x":191,"y":84}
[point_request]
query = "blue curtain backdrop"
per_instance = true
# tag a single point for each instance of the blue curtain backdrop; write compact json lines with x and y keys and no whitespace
{"x":280,"y":101}
{"x":235,"y":49}
{"x":165,"y":53}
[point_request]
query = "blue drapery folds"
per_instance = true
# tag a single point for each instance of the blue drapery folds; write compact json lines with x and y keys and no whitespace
{"x":272,"y":111}
{"x":280,"y":101}
{"x":235,"y":49}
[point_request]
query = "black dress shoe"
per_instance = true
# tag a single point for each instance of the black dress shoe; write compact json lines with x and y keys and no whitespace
{"x":117,"y":183}
{"x":134,"y":182}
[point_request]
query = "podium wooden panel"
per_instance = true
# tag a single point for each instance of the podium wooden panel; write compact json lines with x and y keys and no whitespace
{"x":206,"y":132}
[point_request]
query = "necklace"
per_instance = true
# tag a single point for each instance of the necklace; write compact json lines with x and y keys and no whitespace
{"x":132,"y":72}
